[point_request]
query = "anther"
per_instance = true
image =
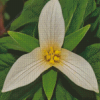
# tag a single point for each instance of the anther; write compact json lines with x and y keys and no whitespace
{"x":48,"y":57}
{"x":57,"y":52}
{"x":56,"y":58}
{"x":51,"y":50}
{"x":46,"y":53}
{"x":51,"y":61}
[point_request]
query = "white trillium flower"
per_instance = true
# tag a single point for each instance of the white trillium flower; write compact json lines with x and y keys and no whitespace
{"x":51,"y":36}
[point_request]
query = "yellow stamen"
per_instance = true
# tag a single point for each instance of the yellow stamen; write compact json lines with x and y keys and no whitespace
{"x":45,"y":53}
{"x":52,"y":56}
{"x":48,"y":57}
{"x":57,"y":52}
{"x":51,"y":50}
{"x":56,"y":58}
{"x":51,"y":61}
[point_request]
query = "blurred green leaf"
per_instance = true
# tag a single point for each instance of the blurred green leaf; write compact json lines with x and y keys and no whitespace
{"x":73,"y":39}
{"x":49,"y":82}
{"x":92,"y":55}
{"x":8,"y":43}
{"x":62,"y":93}
{"x":98,"y":95}
{"x":6,"y":16}
{"x":25,"y":41}
{"x":98,"y":1}
{"x":4,"y":1}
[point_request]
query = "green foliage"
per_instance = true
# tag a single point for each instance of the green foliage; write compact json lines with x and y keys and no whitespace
{"x":4,"y":1}
{"x":30,"y":29}
{"x":62,"y":93}
{"x":27,"y":42}
{"x":6,"y":16}
{"x":30,"y":13}
{"x":3,"y":96}
{"x":8,"y":43}
{"x":39,"y":95}
{"x":49,"y":82}
{"x":6,"y":60}
{"x":92,"y":55}
{"x":26,"y":91}
{"x":72,"y":40}
{"x":91,"y":6}
{"x":98,"y":1}
{"x":94,"y":20}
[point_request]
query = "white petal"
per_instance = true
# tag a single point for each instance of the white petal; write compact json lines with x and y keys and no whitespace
{"x":78,"y":70}
{"x":51,"y":25}
{"x":25,"y":70}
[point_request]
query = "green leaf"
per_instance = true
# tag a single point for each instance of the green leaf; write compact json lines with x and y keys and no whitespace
{"x":30,"y":29}
{"x":3,"y":96}
{"x":98,"y":1}
{"x":92,"y":55}
{"x":96,"y":16}
{"x":49,"y":82}
{"x":94,"y":20}
{"x":73,"y":39}
{"x":6,"y":60}
{"x":62,"y":93}
{"x":8,"y":43}
{"x":30,"y":13}
{"x":25,"y":41}
{"x":91,"y":6}
{"x":98,"y":31}
{"x":73,"y":12}
{"x":38,"y":95}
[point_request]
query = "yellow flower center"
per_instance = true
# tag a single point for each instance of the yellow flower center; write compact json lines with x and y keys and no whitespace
{"x":52,"y":55}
